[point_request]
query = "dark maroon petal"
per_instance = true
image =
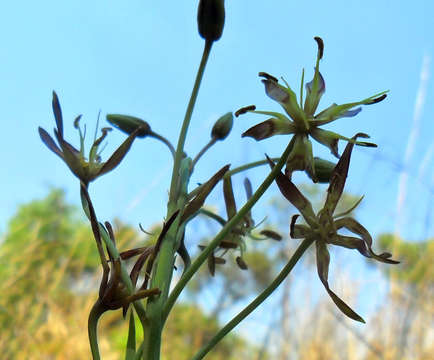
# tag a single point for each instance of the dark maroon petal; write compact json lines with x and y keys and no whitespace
{"x":197,"y":202}
{"x":49,"y":142}
{"x":261,"y":131}
{"x":294,"y":196}
{"x":323,"y":262}
{"x":339,"y":177}
{"x":57,"y":114}
{"x":228,"y":194}
{"x":119,"y":154}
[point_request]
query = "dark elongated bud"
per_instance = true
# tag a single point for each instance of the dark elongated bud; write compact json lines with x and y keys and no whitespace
{"x":128,"y":124}
{"x":222,"y":127}
{"x":323,"y":170}
{"x":211,"y":19}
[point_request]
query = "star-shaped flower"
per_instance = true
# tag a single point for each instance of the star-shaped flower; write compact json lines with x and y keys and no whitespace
{"x":86,"y":169}
{"x":300,"y":119}
{"x":323,"y":227}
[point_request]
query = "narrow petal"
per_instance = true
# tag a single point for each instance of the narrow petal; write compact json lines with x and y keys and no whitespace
{"x":138,"y":266}
{"x":57,"y":114}
{"x":228,"y":194}
{"x":298,"y":231}
{"x":323,"y":262}
{"x":326,"y":138}
{"x":286,"y":98}
{"x":197,"y":202}
{"x":356,"y":228}
{"x":71,"y":157}
{"x":118,"y":155}
{"x":248,"y":220}
{"x":335,"y":111}
{"x":350,"y":242}
{"x":269,"y":128}
{"x":294,"y":196}
{"x":314,"y":93}
{"x":339,"y":177}
{"x":49,"y":142}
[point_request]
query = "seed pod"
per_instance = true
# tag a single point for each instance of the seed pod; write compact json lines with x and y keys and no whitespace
{"x":128,"y":124}
{"x":222,"y":127}
{"x":323,"y":170}
{"x":211,"y":19}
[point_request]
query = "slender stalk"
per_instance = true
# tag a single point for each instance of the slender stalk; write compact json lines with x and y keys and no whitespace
{"x":256,"y":302}
{"x":225,"y":230}
{"x":163,"y":269}
{"x":203,"y":151}
{"x":164,"y":141}
{"x":248,"y":166}
{"x":183,"y":134}
{"x":92,"y":328}
{"x":213,"y":216}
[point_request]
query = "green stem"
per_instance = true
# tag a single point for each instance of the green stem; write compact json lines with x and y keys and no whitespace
{"x":256,"y":302}
{"x":164,"y":141}
{"x":203,"y":151}
{"x":248,"y":166}
{"x":213,"y":216}
{"x":92,"y":328}
{"x":225,"y":231}
{"x":183,"y":134}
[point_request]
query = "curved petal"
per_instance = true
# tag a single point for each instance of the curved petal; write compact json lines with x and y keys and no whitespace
{"x":49,"y":142}
{"x":294,"y":196}
{"x":323,"y":262}
{"x":269,"y":128}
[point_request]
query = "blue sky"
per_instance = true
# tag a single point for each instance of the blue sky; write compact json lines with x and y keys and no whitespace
{"x":140,"y":58}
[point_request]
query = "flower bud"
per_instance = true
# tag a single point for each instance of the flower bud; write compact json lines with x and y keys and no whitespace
{"x":222,"y":127}
{"x":128,"y":124}
{"x":211,"y":19}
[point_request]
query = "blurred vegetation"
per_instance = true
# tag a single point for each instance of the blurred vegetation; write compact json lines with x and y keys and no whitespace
{"x":49,"y":275}
{"x":49,"y":271}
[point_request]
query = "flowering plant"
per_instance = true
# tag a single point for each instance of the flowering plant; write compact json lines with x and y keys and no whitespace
{"x":154,"y":299}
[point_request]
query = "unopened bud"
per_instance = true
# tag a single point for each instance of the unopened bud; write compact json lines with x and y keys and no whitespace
{"x":211,"y":19}
{"x":222,"y":127}
{"x":128,"y":124}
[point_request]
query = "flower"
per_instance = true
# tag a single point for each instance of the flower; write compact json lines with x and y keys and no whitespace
{"x":300,"y":119}
{"x":86,"y":169}
{"x":235,"y":239}
{"x":323,"y":227}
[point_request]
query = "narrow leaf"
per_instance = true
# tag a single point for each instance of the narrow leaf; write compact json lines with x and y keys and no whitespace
{"x":131,"y":342}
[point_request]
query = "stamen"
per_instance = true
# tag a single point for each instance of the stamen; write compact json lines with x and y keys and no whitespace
{"x":267,"y":76}
{"x":244,"y":110}
{"x":320,"y":46}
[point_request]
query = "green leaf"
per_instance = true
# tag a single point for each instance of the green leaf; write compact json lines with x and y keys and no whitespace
{"x":131,"y":342}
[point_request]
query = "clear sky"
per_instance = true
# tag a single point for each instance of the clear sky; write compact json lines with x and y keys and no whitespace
{"x":140,"y":58}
